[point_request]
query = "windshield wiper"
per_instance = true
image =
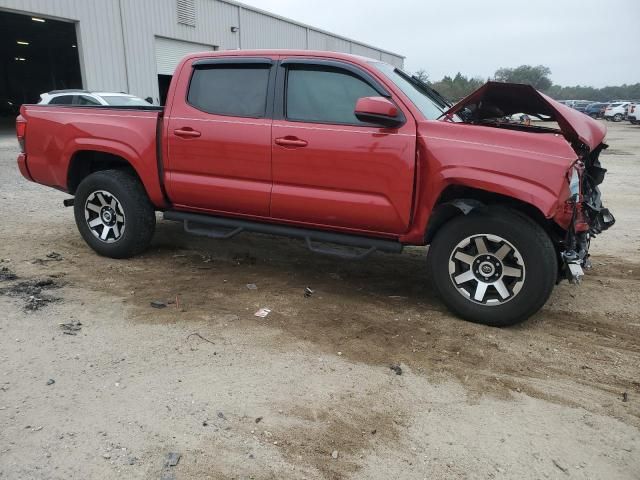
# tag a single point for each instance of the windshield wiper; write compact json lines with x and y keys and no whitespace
{"x":432,"y":92}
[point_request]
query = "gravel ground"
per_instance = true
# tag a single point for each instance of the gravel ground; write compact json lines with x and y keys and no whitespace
{"x":306,"y":392}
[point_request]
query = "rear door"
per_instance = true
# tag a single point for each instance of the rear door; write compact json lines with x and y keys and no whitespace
{"x":219,"y":136}
{"x":329,"y":168}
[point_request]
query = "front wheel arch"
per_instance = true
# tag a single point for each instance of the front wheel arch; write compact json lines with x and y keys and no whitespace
{"x":458,"y":200}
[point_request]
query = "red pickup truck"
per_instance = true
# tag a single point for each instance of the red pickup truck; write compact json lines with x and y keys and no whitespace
{"x":339,"y":150}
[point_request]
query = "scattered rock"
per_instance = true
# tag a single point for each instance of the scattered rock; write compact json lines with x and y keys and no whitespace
{"x":258,"y":420}
{"x":50,"y":257}
{"x":172,"y":459}
{"x":36,"y":303}
{"x":158,"y":304}
{"x":31,"y":292}
{"x":396,"y":369}
{"x":71,"y":328}
{"x":560,"y":467}
{"x":51,"y":381}
{"x":308,"y":292}
{"x":625,"y":397}
{"x":6,"y":274}
{"x":334,"y":454}
{"x":245,"y":258}
{"x":106,"y":456}
{"x":252,"y":286}
{"x":221,"y":415}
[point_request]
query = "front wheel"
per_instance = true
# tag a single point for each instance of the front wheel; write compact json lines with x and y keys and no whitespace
{"x":617,"y":117}
{"x":495,"y":267}
{"x":114,"y":214}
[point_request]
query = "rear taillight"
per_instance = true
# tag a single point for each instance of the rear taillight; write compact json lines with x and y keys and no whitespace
{"x":21,"y":131}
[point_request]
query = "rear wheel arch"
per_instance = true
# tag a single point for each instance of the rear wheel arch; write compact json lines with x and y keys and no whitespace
{"x":113,"y":213}
{"x":85,"y":162}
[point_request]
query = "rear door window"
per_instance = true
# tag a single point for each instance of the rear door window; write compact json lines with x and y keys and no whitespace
{"x":322,"y":95}
{"x":233,"y":90}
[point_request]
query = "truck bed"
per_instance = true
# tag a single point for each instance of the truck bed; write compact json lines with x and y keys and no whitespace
{"x":56,"y":135}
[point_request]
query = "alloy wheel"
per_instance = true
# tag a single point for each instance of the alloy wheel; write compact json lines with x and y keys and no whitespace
{"x":104,"y":216}
{"x":487,"y":269}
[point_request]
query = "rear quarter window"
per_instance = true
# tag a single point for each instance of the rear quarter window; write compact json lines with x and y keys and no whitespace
{"x":62,"y":100}
{"x":239,"y":91}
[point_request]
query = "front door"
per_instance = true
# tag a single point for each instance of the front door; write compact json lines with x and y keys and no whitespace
{"x":329,"y":168}
{"x":219,"y":137}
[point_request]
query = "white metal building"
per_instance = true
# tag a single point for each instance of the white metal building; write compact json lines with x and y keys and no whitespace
{"x":134,"y":45}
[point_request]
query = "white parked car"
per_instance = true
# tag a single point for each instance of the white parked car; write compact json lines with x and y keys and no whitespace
{"x":616,"y":111}
{"x":85,"y":97}
{"x":633,"y":115}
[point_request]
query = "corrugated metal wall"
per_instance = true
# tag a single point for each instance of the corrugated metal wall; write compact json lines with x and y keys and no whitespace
{"x":117,"y":38}
{"x":261,"y":31}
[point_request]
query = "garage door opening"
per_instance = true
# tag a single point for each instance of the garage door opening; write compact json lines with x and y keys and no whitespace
{"x":36,"y":55}
{"x":169,"y":52}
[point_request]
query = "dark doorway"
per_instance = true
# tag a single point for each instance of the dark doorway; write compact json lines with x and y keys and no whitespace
{"x":163,"y":86}
{"x":36,"y":55}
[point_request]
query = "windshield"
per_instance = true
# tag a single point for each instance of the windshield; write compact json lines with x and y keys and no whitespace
{"x":428,"y":101}
{"x":123,"y":101}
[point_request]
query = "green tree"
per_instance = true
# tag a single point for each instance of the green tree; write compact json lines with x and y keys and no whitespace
{"x":457,"y":87}
{"x":537,"y":76}
{"x":422,"y":75}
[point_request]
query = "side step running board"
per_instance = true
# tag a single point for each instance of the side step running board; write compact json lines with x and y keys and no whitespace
{"x":223,"y":228}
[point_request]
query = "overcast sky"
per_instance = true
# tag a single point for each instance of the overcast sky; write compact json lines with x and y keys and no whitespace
{"x":586,"y":42}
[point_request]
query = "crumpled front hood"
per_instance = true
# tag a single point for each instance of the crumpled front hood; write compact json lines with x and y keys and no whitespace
{"x":498,"y":99}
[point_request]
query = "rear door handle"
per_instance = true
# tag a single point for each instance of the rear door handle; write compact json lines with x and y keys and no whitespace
{"x":186,"y":132}
{"x":292,"y":142}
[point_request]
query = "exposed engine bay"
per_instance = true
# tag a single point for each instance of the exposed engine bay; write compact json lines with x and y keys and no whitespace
{"x":509,"y":106}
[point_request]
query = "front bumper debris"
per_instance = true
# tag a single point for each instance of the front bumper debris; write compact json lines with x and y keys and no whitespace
{"x":575,"y":255}
{"x":575,"y":273}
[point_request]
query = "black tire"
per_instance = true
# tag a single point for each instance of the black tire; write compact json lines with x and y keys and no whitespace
{"x":529,"y":241}
{"x":618,"y":117}
{"x":126,"y":238}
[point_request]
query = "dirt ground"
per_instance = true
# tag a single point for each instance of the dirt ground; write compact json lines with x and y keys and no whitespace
{"x":306,"y":392}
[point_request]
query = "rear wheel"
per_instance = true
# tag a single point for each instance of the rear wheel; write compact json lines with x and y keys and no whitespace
{"x":114,"y":214}
{"x":494,"y":267}
{"x":617,"y":117}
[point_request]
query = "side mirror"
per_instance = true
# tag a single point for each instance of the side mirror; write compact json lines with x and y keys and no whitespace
{"x":379,"y":110}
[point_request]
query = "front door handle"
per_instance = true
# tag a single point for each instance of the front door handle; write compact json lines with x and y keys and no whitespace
{"x":186,"y":132}
{"x":292,"y":142}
